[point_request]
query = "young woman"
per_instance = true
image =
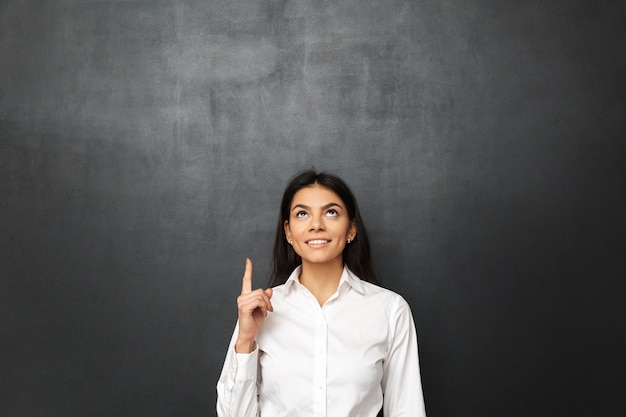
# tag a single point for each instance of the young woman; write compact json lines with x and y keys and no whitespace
{"x":324,"y":340}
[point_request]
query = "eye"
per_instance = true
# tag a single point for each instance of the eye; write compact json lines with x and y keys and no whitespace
{"x":301,"y":214}
{"x":332,"y":213}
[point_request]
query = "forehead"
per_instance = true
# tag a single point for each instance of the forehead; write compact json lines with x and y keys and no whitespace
{"x":316,"y":196}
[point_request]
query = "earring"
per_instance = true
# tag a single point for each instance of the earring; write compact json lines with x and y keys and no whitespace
{"x":349,"y":240}
{"x":291,"y":242}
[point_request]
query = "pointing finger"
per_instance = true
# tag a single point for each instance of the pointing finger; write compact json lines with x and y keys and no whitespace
{"x":246,"y":284}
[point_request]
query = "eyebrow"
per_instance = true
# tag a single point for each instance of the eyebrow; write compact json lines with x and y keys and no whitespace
{"x":325,"y":207}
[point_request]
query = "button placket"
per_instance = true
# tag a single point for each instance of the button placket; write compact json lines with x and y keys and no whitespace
{"x":320,"y":365}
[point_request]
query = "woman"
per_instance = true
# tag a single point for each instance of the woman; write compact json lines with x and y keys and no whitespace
{"x":325,"y":340}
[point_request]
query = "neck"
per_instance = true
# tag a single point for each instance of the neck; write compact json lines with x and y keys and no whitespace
{"x":322,"y":280}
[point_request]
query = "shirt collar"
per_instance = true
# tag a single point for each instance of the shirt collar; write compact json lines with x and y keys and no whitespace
{"x":348,"y":278}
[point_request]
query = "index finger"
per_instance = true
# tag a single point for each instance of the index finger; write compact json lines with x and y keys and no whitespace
{"x":246,"y":284}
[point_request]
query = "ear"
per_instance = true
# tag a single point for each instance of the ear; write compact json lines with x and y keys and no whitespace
{"x":287,"y":230}
{"x":352,"y":231}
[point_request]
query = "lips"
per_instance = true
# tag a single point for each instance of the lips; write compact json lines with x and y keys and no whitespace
{"x":317,"y":242}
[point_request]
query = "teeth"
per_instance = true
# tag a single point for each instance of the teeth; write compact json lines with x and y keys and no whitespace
{"x":317,"y":242}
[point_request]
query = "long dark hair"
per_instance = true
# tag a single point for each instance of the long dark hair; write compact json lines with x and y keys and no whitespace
{"x":356,"y":255}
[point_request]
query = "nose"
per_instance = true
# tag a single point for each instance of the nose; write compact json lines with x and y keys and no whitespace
{"x":317,"y":223}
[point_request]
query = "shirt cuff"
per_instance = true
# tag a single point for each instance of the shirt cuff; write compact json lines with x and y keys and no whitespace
{"x":245,"y":365}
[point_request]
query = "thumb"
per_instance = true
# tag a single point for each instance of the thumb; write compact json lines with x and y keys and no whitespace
{"x":269,"y":293}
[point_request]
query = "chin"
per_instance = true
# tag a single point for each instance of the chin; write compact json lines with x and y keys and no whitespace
{"x":320,"y":260}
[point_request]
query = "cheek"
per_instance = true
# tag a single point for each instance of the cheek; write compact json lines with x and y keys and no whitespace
{"x":295,"y":227}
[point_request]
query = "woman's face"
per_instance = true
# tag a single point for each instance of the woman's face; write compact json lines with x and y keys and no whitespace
{"x":318,"y":225}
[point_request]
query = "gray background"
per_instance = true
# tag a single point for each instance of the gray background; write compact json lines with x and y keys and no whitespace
{"x":144,"y":146}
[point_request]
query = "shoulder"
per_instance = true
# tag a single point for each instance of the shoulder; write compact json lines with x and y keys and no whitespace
{"x":279,"y":290}
{"x":369,"y":289}
{"x":390,"y":301}
{"x":375,"y":290}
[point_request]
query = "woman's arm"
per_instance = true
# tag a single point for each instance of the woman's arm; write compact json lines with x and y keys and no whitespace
{"x":402,"y":385}
{"x":237,"y":386}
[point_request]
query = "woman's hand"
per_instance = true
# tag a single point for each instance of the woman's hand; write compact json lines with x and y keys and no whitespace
{"x":252,"y":309}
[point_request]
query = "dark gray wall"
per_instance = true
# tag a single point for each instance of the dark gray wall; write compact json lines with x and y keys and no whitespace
{"x":144,"y":146}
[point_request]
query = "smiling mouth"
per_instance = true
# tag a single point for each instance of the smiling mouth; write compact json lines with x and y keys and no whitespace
{"x":317,"y":242}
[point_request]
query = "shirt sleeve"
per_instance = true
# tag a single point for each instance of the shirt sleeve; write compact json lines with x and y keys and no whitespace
{"x":237,"y":385}
{"x":402,"y":385}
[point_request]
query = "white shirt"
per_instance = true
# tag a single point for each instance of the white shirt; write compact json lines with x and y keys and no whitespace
{"x":338,"y":360}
